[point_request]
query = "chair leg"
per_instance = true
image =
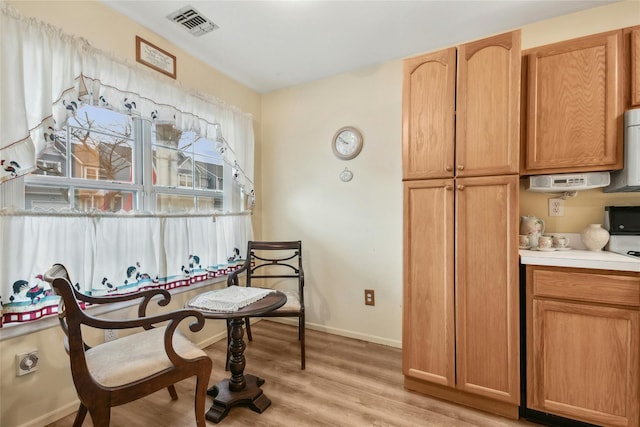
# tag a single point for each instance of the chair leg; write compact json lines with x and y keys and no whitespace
{"x":101,"y":416}
{"x":172,"y":392}
{"x":82,"y":413}
{"x":301,"y":338}
{"x":247,"y":326}
{"x":226,"y":365}
{"x":202,"y":382}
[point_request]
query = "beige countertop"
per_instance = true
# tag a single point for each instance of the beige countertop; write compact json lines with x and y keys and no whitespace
{"x":577,"y":258}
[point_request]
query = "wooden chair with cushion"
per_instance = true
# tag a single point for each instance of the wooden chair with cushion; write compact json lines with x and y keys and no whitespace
{"x":133,"y":366}
{"x":277,"y":265}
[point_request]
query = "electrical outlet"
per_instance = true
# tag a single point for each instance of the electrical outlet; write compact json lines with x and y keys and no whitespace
{"x":369,"y":297}
{"x":110,"y":335}
{"x":556,"y":207}
{"x":26,"y":363}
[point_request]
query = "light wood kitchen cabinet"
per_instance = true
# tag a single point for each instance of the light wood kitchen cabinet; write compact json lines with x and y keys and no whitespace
{"x":428,"y":351}
{"x":428,"y":115}
{"x":574,"y":105}
{"x":583,"y":344}
{"x":486,"y":274}
{"x":467,"y":127}
{"x":460,"y":324}
{"x":632,"y":67}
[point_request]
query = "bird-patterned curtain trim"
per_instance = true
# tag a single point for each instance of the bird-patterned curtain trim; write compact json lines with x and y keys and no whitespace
{"x":110,"y":255}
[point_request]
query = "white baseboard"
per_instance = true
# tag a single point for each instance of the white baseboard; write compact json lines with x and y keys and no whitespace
{"x":322,"y":328}
{"x":54,"y":415}
{"x":342,"y":332}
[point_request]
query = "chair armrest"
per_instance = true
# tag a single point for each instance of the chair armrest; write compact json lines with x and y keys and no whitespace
{"x":145,"y":322}
{"x":146,"y":297}
{"x":232,"y":279}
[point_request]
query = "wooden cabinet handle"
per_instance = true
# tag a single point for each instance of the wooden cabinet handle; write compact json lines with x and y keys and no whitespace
{"x":449,"y":168}
{"x":448,"y":187}
{"x":460,"y":187}
{"x":460,"y":167}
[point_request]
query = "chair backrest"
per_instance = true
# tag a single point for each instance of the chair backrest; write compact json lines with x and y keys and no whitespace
{"x":60,"y":271}
{"x":275,"y":260}
{"x":70,"y":315}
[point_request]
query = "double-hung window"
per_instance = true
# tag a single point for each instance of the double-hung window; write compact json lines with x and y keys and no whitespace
{"x":105,"y":160}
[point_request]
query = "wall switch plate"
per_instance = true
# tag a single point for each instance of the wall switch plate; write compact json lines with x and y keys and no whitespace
{"x":369,"y":297}
{"x":26,"y":363}
{"x":556,"y":207}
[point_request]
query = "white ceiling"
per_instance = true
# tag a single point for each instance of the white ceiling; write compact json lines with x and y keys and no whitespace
{"x":269,"y":45}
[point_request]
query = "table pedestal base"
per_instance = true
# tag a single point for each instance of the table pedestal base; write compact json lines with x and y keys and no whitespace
{"x":224,"y":399}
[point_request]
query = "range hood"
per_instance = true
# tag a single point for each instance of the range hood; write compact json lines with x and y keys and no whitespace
{"x":567,"y":182}
{"x":628,"y":179}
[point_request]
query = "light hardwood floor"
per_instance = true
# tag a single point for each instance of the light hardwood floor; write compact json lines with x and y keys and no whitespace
{"x":347,"y":382}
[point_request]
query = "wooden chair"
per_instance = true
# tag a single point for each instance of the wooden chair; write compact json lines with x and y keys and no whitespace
{"x":133,"y":366}
{"x":271,"y":261}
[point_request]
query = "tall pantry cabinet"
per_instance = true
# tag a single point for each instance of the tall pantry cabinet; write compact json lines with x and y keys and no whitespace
{"x":460,"y":171}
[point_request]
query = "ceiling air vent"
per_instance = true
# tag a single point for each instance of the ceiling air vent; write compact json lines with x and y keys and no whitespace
{"x":193,"y":21}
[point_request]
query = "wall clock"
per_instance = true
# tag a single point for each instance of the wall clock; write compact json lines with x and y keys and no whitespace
{"x":347,"y":143}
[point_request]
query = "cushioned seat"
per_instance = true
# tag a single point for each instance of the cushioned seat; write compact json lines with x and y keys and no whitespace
{"x":136,"y":357}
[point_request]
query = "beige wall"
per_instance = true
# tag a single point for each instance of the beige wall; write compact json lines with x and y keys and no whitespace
{"x":351,"y":232}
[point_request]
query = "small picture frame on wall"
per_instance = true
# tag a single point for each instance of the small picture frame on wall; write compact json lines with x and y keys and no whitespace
{"x":154,"y":57}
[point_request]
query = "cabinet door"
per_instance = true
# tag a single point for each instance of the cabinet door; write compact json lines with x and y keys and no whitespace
{"x":428,"y":125}
{"x":428,"y":308}
{"x":574,"y":106}
{"x":584,"y":362}
{"x":487,"y":287}
{"x":634,"y":50}
{"x":488,"y":106}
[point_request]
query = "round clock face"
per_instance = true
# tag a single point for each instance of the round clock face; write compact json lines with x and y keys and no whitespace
{"x":347,"y":143}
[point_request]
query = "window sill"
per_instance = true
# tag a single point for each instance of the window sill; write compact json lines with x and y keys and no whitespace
{"x":13,"y":330}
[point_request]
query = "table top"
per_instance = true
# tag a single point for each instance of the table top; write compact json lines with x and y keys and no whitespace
{"x":265,"y":305}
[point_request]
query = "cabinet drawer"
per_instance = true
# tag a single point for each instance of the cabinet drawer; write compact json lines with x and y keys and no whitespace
{"x":600,"y":288}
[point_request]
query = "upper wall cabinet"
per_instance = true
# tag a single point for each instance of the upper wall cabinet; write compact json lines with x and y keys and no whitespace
{"x":488,"y":106}
{"x":632,"y":80}
{"x":574,"y":106}
{"x":428,"y":115}
{"x":474,"y":134}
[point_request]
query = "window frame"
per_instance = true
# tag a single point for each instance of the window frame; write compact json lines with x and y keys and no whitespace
{"x":145,"y":192}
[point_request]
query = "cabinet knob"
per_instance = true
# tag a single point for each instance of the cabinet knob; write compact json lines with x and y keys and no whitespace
{"x":460,"y":167}
{"x":449,"y":168}
{"x":460,"y":187}
{"x":448,"y":187}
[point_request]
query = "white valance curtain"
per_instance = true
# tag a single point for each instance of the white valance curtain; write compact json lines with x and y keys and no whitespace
{"x":112,"y":255}
{"x":45,"y":74}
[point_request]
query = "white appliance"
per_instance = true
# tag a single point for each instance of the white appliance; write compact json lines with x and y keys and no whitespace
{"x":567,"y":182}
{"x":628,"y":179}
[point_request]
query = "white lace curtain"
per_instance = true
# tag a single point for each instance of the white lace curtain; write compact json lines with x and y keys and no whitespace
{"x":112,"y":255}
{"x":45,"y":74}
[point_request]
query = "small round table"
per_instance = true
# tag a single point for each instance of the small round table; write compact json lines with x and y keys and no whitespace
{"x":239,"y":389}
